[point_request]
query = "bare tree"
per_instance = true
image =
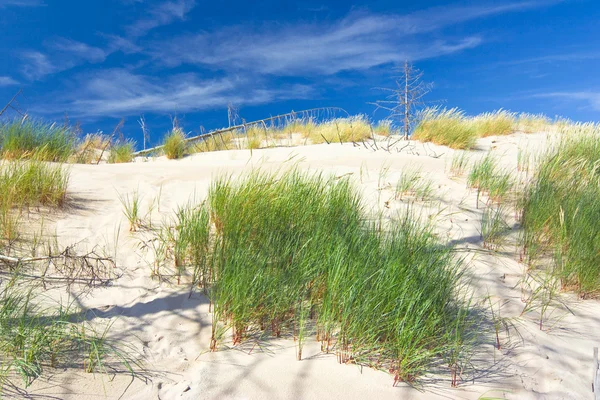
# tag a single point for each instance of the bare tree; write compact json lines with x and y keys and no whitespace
{"x":14,"y":105}
{"x":405,"y":99}
{"x":233,"y":114}
{"x":145,"y":132}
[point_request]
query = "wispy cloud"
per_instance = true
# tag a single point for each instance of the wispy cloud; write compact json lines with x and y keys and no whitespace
{"x":21,"y":3}
{"x":119,"y":92}
{"x":62,"y":54}
{"x":357,"y":42}
{"x":7,"y":81}
{"x":549,"y":58}
{"x":162,"y":14}
{"x":591,"y":99}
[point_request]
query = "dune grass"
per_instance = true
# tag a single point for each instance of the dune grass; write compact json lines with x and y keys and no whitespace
{"x":35,"y":337}
{"x":121,"y":152}
{"x":411,"y":183}
{"x":25,"y":138}
{"x":295,"y":251}
{"x":560,"y":213}
{"x":497,"y":123}
{"x":488,"y":178}
{"x":494,"y":227}
{"x":90,"y":148}
{"x":532,"y":123}
{"x":25,"y":184}
{"x":220,"y":142}
{"x":340,"y":130}
{"x":175,"y":146}
{"x":459,"y":163}
{"x":32,"y":183}
{"x":446,"y":127}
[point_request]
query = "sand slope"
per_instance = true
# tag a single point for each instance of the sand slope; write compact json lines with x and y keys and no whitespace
{"x":170,"y":330}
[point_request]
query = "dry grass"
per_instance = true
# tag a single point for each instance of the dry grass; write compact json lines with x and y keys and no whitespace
{"x":446,"y":127}
{"x":495,"y":123}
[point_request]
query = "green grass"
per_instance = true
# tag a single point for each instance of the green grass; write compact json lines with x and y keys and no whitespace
{"x":25,"y":184}
{"x":35,"y":337}
{"x":459,"y":163}
{"x":488,"y":178}
{"x":494,"y":227}
{"x":121,"y":152}
{"x":411,"y":183}
{"x":220,"y":142}
{"x":533,"y":123}
{"x":446,"y":127}
{"x":175,"y":146}
{"x":32,"y":183}
{"x":191,"y":243}
{"x":340,"y":130}
{"x":297,"y":251}
{"x":26,"y":138}
{"x":560,"y":213}
{"x":495,"y":123}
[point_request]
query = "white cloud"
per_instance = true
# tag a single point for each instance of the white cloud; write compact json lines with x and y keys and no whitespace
{"x":63,"y":54}
{"x":590,"y":98}
{"x":7,"y":81}
{"x":119,"y":92}
{"x":357,"y":42}
{"x":160,"y":15}
{"x":21,"y":3}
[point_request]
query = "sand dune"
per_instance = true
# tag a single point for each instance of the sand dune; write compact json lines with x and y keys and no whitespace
{"x":169,"y":327}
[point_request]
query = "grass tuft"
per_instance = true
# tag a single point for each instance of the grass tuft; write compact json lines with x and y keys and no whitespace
{"x":175,"y":146}
{"x":121,"y":152}
{"x":495,"y":123}
{"x":26,"y":138}
{"x":446,"y":127}
{"x":296,"y":251}
{"x":560,"y":213}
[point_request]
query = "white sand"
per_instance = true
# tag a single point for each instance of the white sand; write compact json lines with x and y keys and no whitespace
{"x":171,"y":332}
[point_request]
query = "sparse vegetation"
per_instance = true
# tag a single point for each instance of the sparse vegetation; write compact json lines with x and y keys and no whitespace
{"x":34,"y":337}
{"x":175,"y":146}
{"x":26,"y":138}
{"x":560,"y":213}
{"x":121,"y":152}
{"x":494,"y":227}
{"x":495,"y":123}
{"x":411,"y":183}
{"x":459,"y":163}
{"x":446,"y":127}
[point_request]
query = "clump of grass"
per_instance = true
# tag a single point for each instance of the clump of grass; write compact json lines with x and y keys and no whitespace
{"x":411,"y":183}
{"x":384,"y":128}
{"x":35,"y":337}
{"x":214,"y":143}
{"x":132,"y":209}
{"x":495,"y":123}
{"x":25,"y":138}
{"x":446,"y":127}
{"x":341,"y":130}
{"x":121,"y":152}
{"x":459,"y":163}
{"x":560,"y":213}
{"x":297,"y":250}
{"x":533,"y":123}
{"x":32,"y":183}
{"x":494,"y":227}
{"x":254,"y":137}
{"x":488,"y":178}
{"x":191,"y":243}
{"x":91,"y":148}
{"x":175,"y":146}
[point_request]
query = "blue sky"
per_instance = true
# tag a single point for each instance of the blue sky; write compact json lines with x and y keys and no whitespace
{"x":103,"y":60}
